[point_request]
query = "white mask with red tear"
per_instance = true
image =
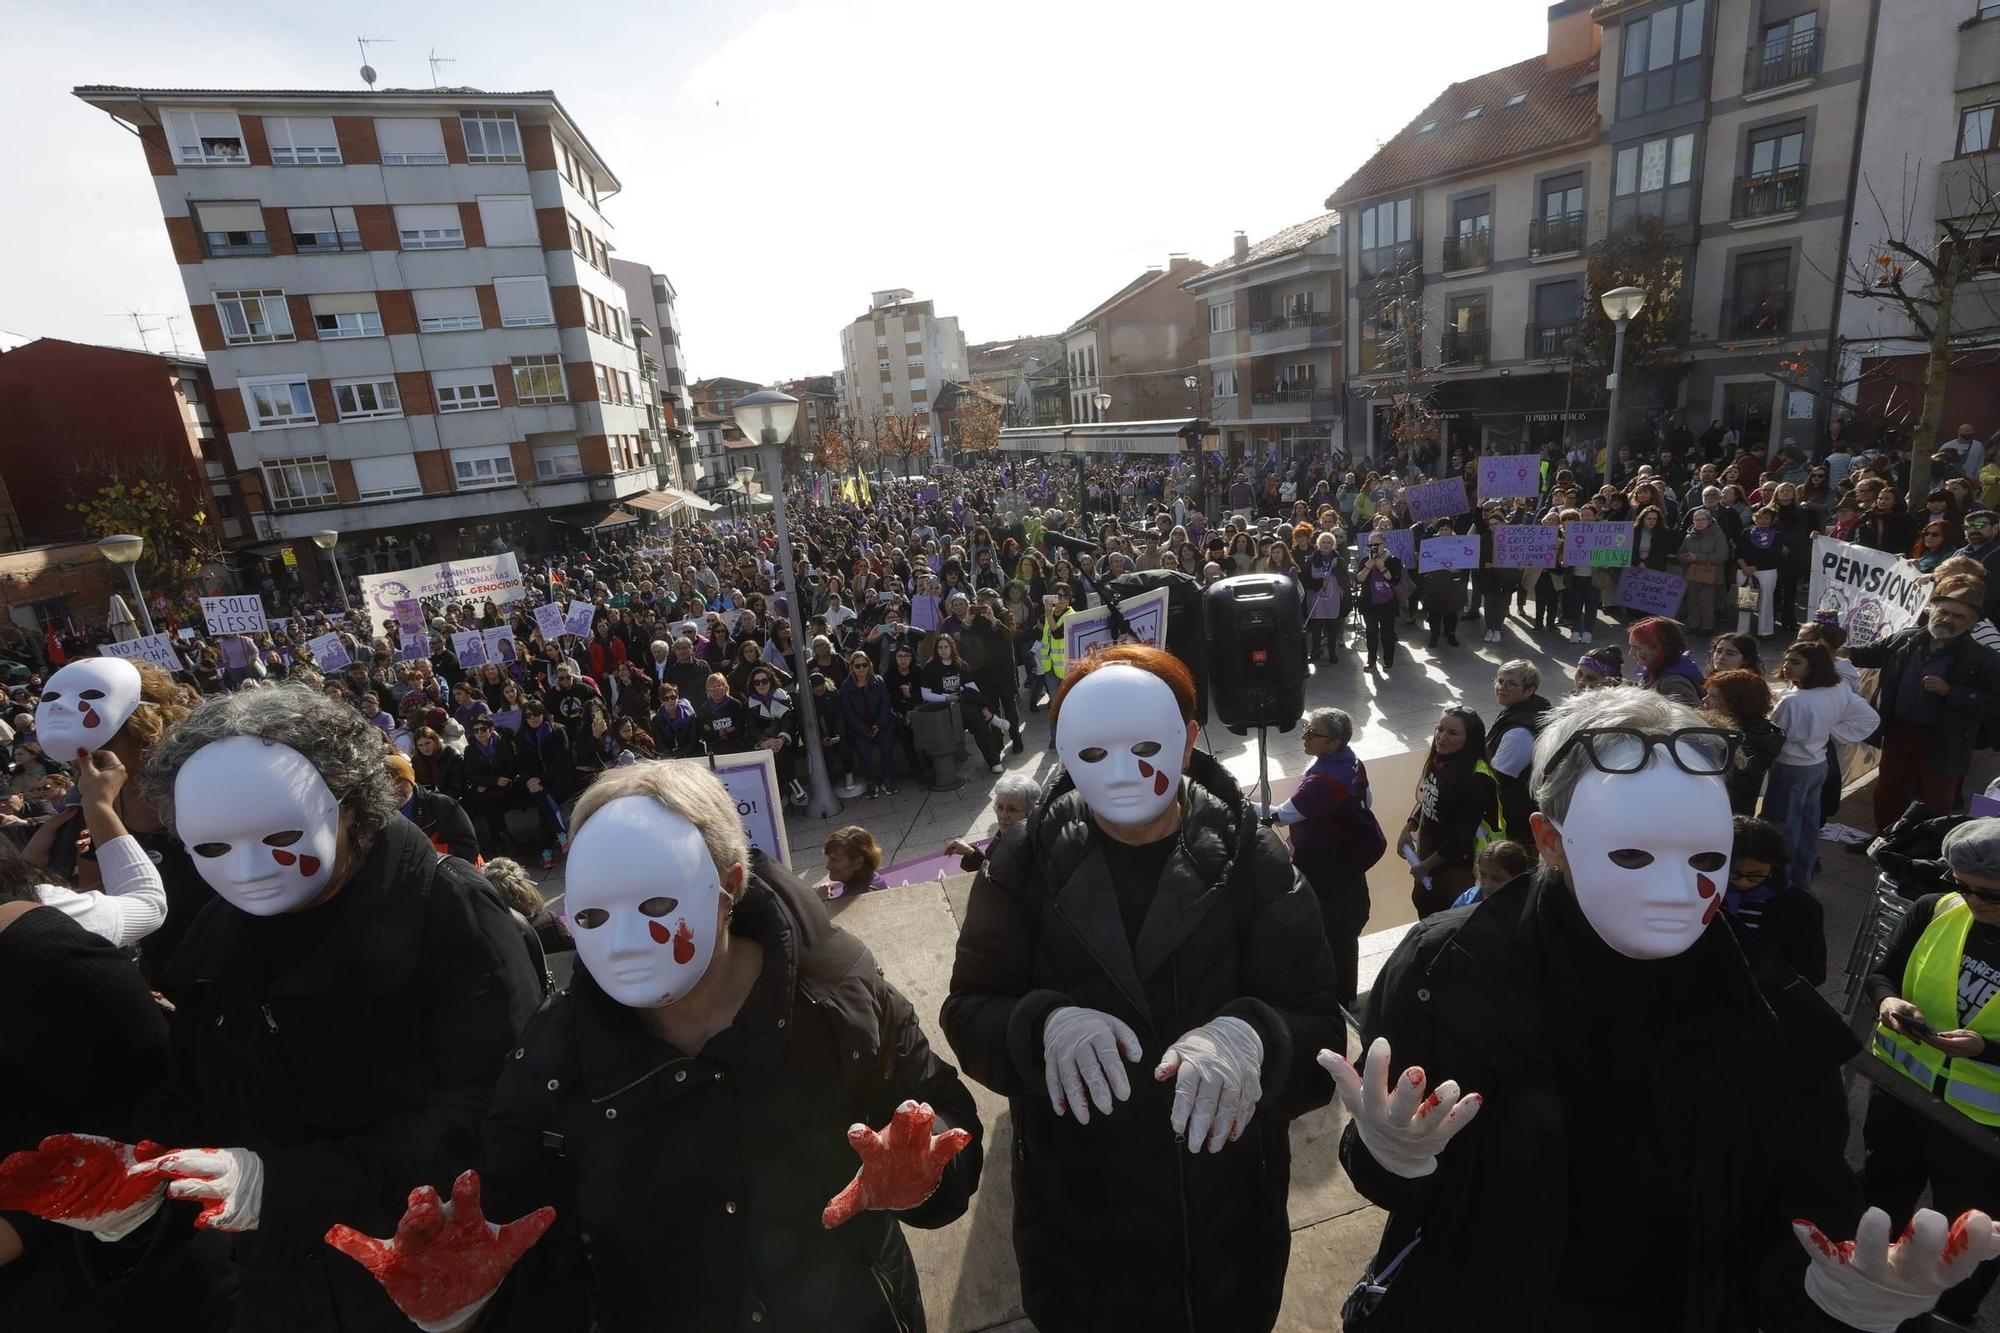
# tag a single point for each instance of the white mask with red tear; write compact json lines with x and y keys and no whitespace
{"x":84,"y":704}
{"x":260,"y":822}
{"x":644,"y":902}
{"x":1648,"y":855}
{"x":1123,"y":742}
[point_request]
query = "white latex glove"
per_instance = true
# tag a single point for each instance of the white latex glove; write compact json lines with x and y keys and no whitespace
{"x":1404,"y":1131}
{"x":1869,"y":1283}
{"x":1081,"y":1050}
{"x":1218,"y":1079}
{"x":229,"y":1181}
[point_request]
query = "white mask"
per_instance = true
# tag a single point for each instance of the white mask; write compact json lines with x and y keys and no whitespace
{"x":1678,"y":825}
{"x":1123,"y":743}
{"x":84,"y":704}
{"x":642,"y":902}
{"x":260,"y":822}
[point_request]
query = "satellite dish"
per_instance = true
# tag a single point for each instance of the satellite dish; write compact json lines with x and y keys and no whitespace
{"x":368,"y":75}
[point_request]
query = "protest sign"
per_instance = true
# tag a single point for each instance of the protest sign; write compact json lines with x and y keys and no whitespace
{"x":549,"y":621}
{"x":1870,"y":594}
{"x":413,"y":647}
{"x":328,"y":652}
{"x":410,"y":615}
{"x":582,"y":615}
{"x":1598,"y":545}
{"x":1091,"y":629}
{"x":500,"y":646}
{"x":1446,"y":554}
{"x":495,"y":578}
{"x":1437,"y":499}
{"x":234,"y":615}
{"x":1399,"y":542}
{"x":1510,"y":476}
{"x":1650,"y":591}
{"x":155,"y":648}
{"x":1525,"y":546}
{"x":751,"y":779}
{"x":469,"y":646}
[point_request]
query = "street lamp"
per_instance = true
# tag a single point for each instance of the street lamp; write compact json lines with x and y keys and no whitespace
{"x":1621,"y":306}
{"x":125,"y":549}
{"x":767,"y":417}
{"x":1103,"y":402}
{"x":327,"y":539}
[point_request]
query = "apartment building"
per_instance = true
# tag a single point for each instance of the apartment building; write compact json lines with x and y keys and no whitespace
{"x":1141,"y":345}
{"x":1005,"y":368}
{"x":1274,"y":370}
{"x":896,"y":359}
{"x":715,"y":431}
{"x":650,"y":296}
{"x":408,"y":308}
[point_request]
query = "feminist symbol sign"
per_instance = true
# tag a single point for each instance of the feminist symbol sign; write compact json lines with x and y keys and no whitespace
{"x":1509,"y":476}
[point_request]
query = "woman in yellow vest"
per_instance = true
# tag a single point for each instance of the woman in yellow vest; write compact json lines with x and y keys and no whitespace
{"x":1937,"y":996}
{"x":1457,"y":812}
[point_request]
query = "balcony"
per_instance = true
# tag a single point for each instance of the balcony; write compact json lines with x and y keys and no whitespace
{"x":1470,"y":251}
{"x":1462,"y":348}
{"x":1548,"y":342}
{"x":1387,"y":259}
{"x":1309,"y":401}
{"x":1774,"y":194}
{"x":1561,"y":235}
{"x":1298,"y":319}
{"x":1287,"y":332}
{"x":1756,"y":317}
{"x":1776,"y":64}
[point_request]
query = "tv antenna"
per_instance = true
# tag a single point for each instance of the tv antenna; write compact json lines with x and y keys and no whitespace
{"x":368,"y":70}
{"x":139,"y":325}
{"x":437,"y":60}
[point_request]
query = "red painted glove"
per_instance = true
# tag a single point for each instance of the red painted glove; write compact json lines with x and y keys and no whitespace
{"x":80,"y":1180}
{"x":900,"y":1165}
{"x":445,"y":1260}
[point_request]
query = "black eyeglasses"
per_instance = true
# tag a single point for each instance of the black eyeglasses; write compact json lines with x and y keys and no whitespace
{"x":1702,"y":752}
{"x":1991,"y":897}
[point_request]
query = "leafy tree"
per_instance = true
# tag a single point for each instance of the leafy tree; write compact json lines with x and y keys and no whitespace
{"x":165,"y":507}
{"x":979,"y":420}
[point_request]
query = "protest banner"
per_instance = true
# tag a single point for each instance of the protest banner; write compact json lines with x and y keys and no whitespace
{"x":1525,"y":546}
{"x":1598,"y":545}
{"x":1399,"y":542}
{"x":1434,"y":500}
{"x":469,"y":646}
{"x":582,"y":615}
{"x":155,"y":648}
{"x":752,"y":782}
{"x":1446,"y":554}
{"x":500,"y":646}
{"x":328,"y":652}
{"x":1510,"y":476}
{"x":1090,"y":629}
{"x":486,"y":578}
{"x":1650,"y":591}
{"x":234,"y":615}
{"x":1870,"y":594}
{"x":549,"y":621}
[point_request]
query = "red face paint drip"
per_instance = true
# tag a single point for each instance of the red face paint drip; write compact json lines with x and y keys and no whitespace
{"x":89,"y":716}
{"x":283,"y":857}
{"x":1706,"y":885}
{"x":308,"y":866}
{"x":658,"y":932}
{"x":1714,"y":906}
{"x":683,"y":944}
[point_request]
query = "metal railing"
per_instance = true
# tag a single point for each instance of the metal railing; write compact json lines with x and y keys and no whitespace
{"x":1472,"y":250}
{"x":1556,"y":235}
{"x":1297,"y":319}
{"x":1548,"y":342}
{"x":1304,"y":394}
{"x":1767,"y":316}
{"x":1772,"y":194}
{"x":1462,"y":348}
{"x":1774,"y":64}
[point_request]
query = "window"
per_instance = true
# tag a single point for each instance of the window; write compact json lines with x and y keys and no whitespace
{"x":231,"y":229}
{"x":430,"y":227}
{"x":605,"y":392}
{"x":1789,"y":52}
{"x":1470,"y":242}
{"x":1773,"y":182}
{"x":323,"y":231}
{"x":882,"y":367}
{"x":1654,"y":179}
{"x":524,"y":302}
{"x":465,"y":390}
{"x":387,"y":477}
{"x":346,"y":315}
{"x":302,"y":141}
{"x":278,"y":402}
{"x":913,"y":338}
{"x":1465,"y":333}
{"x":558,"y":463}
{"x":490,"y":137}
{"x":206,"y":138}
{"x":445,"y":309}
{"x":1090,"y":361}
{"x":1386,"y":237}
{"x":1559,"y":227}
{"x":1223,"y":384}
{"x":1660,"y":59}
{"x":254,"y":317}
{"x":411,"y":143}
{"x":478,"y":469}
{"x":508,"y":219}
{"x":1989,"y":9}
{"x":1554,"y":328}
{"x":579,"y":240}
{"x":1221,"y":316}
{"x":358,"y":400}
{"x":539,"y":379}
{"x":1760,"y":305}
{"x":1517,"y":99}
{"x":882,"y":343}
{"x":1474,"y":113}
{"x":1427,"y":127}
{"x":299,"y":483}
{"x":1975,"y":130}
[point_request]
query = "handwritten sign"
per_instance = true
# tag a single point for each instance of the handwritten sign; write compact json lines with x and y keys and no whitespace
{"x":1437,"y":499}
{"x":234,"y":615}
{"x":1598,"y":545}
{"x":1525,"y":546}
{"x":549,"y":621}
{"x":1650,"y":591}
{"x":1868,"y":593}
{"x":155,"y":648}
{"x":495,"y":578}
{"x":751,"y":778}
{"x":500,"y":645}
{"x":469,"y":646}
{"x":1400,"y":542}
{"x":582,"y":615}
{"x":1509,"y":476}
{"x":328,"y":652}
{"x":1448,"y":554}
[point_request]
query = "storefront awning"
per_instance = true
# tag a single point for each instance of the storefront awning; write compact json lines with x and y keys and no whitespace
{"x":1099,"y":437}
{"x":652,"y":502}
{"x":690,"y":499}
{"x":595,"y":517}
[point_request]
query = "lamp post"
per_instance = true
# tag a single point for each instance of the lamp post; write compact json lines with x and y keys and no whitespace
{"x":923,"y":442}
{"x":1199,"y":438}
{"x":1621,"y":305}
{"x":125,"y":549}
{"x":1102,"y":402}
{"x":767,"y":417}
{"x":744,"y":476}
{"x":328,"y":540}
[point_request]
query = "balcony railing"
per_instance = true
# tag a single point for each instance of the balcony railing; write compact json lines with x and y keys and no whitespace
{"x":1297,"y":319}
{"x":1559,"y":235}
{"x":1388,"y":258}
{"x":1772,"y":194}
{"x":1462,"y":348}
{"x":1548,"y":342}
{"x":1775,"y":64}
{"x":1766,"y":316}
{"x":1303,"y":394}
{"x":1472,"y":250}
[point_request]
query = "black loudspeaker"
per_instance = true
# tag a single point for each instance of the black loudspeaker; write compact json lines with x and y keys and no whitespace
{"x":1187,"y":638}
{"x":1257,"y":651}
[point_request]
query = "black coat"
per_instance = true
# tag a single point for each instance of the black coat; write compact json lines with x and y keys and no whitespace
{"x":689,"y":1188}
{"x":552,"y":758}
{"x":482,"y":775}
{"x":360,"y":1071}
{"x":1107,"y":1216}
{"x":1972,"y":706}
{"x":1745,"y":1069}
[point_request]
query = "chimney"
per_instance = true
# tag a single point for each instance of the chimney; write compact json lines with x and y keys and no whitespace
{"x":1242,"y":243}
{"x":1574,"y":36}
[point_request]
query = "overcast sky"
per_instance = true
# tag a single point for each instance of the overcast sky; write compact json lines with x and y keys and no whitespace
{"x":1016,"y":162}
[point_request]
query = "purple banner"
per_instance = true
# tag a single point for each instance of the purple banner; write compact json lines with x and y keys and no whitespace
{"x":1597,"y":544}
{"x":1525,"y":546}
{"x":1510,"y":476}
{"x":1448,"y":554}
{"x":1651,"y":591}
{"x":1436,"y":499}
{"x":1402,"y":544}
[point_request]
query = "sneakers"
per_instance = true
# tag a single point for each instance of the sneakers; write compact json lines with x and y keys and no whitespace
{"x":548,"y":859}
{"x":996,"y":768}
{"x":798,"y":792}
{"x":874,"y":791}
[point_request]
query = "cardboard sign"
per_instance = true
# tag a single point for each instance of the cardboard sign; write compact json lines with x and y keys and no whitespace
{"x":494,"y":578}
{"x":1510,"y":476}
{"x":582,"y":616}
{"x":470,"y":648}
{"x":1091,"y":629}
{"x":328,"y":652}
{"x":155,"y":648}
{"x":1437,"y":499}
{"x":410,"y":615}
{"x":234,"y":615}
{"x":1525,"y":546}
{"x":1870,"y":594}
{"x":414,"y":647}
{"x":500,"y":645}
{"x":1399,"y":542}
{"x":1598,"y":545}
{"x":752,"y":781}
{"x":1650,"y":591}
{"x":549,"y":621}
{"x":1448,"y":554}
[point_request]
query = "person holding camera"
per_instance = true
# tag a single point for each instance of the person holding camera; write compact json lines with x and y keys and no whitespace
{"x":988,"y":644}
{"x":1375,"y":589}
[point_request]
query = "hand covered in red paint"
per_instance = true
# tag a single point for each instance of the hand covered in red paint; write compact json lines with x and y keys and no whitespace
{"x":93,"y":1184}
{"x":1404,"y":1130}
{"x":445,"y":1260}
{"x":900,"y":1165}
{"x":1869,"y":1283}
{"x":1218,"y":1073}
{"x":229,"y":1183}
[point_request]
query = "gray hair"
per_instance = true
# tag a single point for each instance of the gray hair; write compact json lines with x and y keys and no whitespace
{"x":689,"y":790}
{"x":1640,"y":710}
{"x":1332,"y":723}
{"x":1021,"y":785}
{"x":1973,"y":848}
{"x":660,"y":646}
{"x":344,"y":749}
{"x":1522,"y":672}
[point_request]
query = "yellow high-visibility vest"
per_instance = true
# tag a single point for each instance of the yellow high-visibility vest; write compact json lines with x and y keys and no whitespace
{"x":1055,"y":648}
{"x":1930,"y":982}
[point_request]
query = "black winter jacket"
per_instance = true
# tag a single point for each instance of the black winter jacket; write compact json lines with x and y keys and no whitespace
{"x":1972,"y":707}
{"x":1116,"y":1224}
{"x":688,"y":1189}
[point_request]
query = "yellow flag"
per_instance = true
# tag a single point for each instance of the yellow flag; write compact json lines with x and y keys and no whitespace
{"x":847,"y":489}
{"x":861,"y":484}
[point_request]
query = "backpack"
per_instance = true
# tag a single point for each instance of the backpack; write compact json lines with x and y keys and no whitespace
{"x":1355,"y":826}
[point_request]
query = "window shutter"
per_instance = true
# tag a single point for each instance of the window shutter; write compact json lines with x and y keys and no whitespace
{"x":408,"y":136}
{"x":386,"y":476}
{"x":344,"y":303}
{"x":229,"y":217}
{"x":524,"y":300}
{"x":446,"y":302}
{"x":427,"y":217}
{"x":508,"y":219}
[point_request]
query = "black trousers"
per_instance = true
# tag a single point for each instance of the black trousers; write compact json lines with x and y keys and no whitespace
{"x":1004,"y":696}
{"x":1343,"y":907}
{"x":1379,"y":624}
{"x":1904,"y":1154}
{"x":1323,"y":633}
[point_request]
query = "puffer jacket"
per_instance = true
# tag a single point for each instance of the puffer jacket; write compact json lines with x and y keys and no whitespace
{"x":1116,"y":1224}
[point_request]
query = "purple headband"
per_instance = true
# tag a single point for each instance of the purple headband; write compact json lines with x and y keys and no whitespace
{"x":1603,"y":666}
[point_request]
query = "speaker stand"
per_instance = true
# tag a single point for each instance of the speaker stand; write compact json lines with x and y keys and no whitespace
{"x":1263,"y":767}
